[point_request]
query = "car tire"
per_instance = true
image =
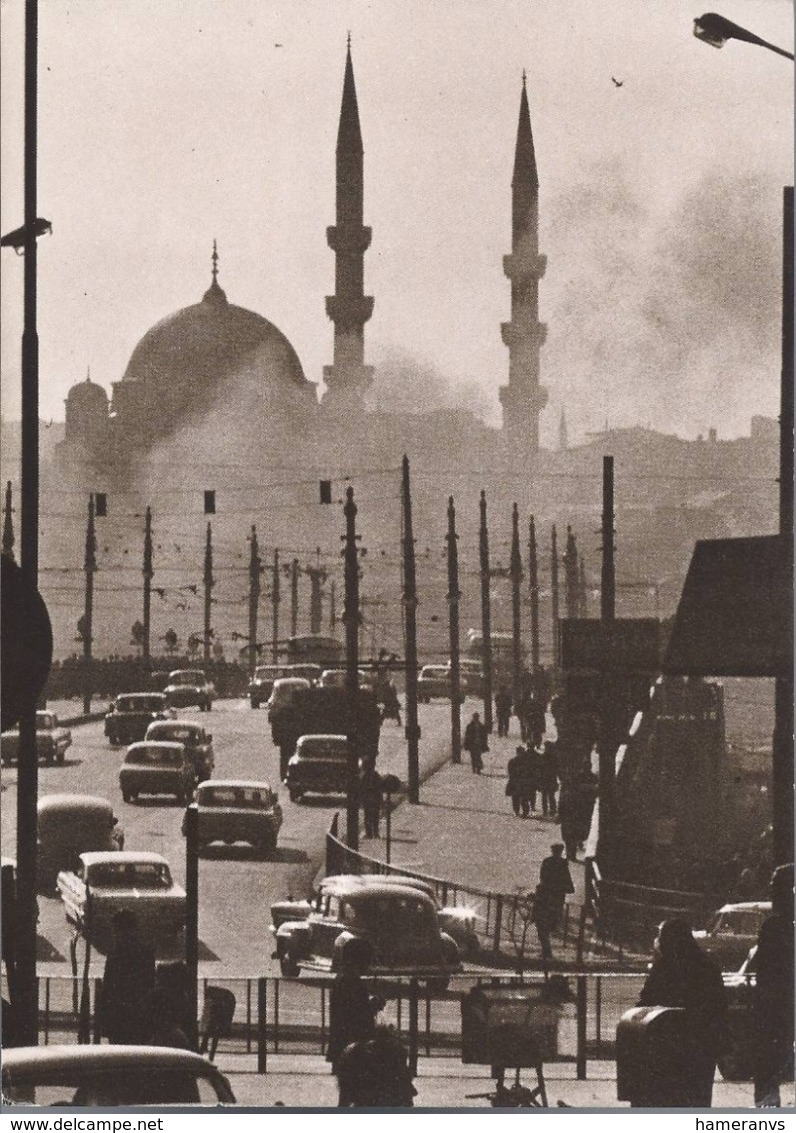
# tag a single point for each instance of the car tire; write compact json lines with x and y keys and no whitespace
{"x":288,"y":966}
{"x":60,"y":757}
{"x":295,"y":794}
{"x":255,"y":703}
{"x":127,"y":797}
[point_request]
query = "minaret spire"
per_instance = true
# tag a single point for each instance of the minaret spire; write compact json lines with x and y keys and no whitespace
{"x":524,"y":398}
{"x":349,"y":308}
{"x":215,"y":293}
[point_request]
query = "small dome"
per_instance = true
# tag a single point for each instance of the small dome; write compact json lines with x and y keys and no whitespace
{"x":87,"y":393}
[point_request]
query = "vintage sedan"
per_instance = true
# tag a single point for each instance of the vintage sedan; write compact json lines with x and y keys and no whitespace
{"x":104,"y":883}
{"x":262,"y":683}
{"x":189,"y":688}
{"x":319,"y":767}
{"x":283,"y":690}
{"x":71,"y":825}
{"x":130,"y":715}
{"x":52,"y":741}
{"x":236,"y":810}
{"x":106,"y":1076}
{"x":458,"y":921}
{"x":732,"y":931}
{"x":395,"y":926}
{"x":153,"y":767}
{"x":197,"y":742}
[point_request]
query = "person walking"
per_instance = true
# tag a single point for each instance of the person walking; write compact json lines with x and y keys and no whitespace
{"x":476,"y":743}
{"x":520,"y":784}
{"x":774,"y":999}
{"x":548,"y":779}
{"x":682,"y":975}
{"x":503,"y":710}
{"x":535,"y":721}
{"x":370,"y":791}
{"x":128,"y":983}
{"x":555,"y":882}
{"x":352,"y":1010}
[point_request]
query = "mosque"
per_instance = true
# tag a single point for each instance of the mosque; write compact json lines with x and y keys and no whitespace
{"x":214,"y":355}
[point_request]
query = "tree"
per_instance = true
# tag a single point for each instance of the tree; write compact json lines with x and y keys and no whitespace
{"x":137,"y":635}
{"x":171,"y":640}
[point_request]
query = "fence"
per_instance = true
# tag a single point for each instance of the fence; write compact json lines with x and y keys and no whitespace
{"x":278,"y":1015}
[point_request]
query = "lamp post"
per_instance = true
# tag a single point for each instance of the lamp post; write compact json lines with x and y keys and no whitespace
{"x":716,"y":30}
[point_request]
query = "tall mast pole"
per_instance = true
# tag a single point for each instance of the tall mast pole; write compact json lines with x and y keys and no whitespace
{"x":147,"y":573}
{"x":453,"y":627}
{"x":351,"y":617}
{"x":486,"y":614}
{"x":412,"y":730}
{"x":87,"y":621}
{"x":255,"y":566}
{"x":533,"y":586}
{"x":275,"y":600}
{"x":554,"y":593}
{"x":208,"y":585}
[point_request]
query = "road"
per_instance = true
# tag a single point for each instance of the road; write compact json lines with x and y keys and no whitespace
{"x":236,"y":889}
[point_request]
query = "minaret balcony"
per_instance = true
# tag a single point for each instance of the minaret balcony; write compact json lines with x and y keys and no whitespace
{"x":348,"y":312}
{"x":519,"y":266}
{"x":516,"y":336}
{"x":345,"y":239}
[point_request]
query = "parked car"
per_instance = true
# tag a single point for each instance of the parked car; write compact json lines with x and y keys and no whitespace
{"x":52,"y":741}
{"x":433,"y":681}
{"x":458,"y":921}
{"x":70,"y":825}
{"x":283,"y":690}
{"x":189,"y":688}
{"x":140,"y":881}
{"x":107,"y":1076}
{"x":152,"y":767}
{"x":311,"y":673}
{"x":319,"y":766}
{"x":130,"y":715}
{"x":236,"y":810}
{"x":197,"y":742}
{"x":262,"y":683}
{"x":397,"y":923}
{"x":732,"y":931}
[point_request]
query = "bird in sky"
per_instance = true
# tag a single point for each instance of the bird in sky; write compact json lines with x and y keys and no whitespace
{"x":617,"y":82}
{"x":278,"y":45}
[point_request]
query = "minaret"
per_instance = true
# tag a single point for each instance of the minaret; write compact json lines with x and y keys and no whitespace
{"x":523,"y":399}
{"x":349,"y":308}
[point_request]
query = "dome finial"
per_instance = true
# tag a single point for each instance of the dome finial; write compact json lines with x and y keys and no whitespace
{"x":88,"y":374}
{"x":214,"y":293}
{"x":214,"y":258}
{"x":524,"y":76}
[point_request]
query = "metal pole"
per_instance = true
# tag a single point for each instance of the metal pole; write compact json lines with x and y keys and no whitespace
{"x":608,"y":577}
{"x":533,"y":586}
{"x":254,"y":597}
{"x":332,"y":605}
{"x":192,"y":915}
{"x":554,"y":593}
{"x":607,"y":745}
{"x":147,"y":572}
{"x":782,"y":770}
{"x":388,"y":817}
{"x":275,"y":600}
{"x":571,"y":576}
{"x":412,"y":729}
{"x":87,"y":621}
{"x":351,"y":618}
{"x":516,"y":582}
{"x":486,"y":615}
{"x":8,"y":526}
{"x":208,"y":583}
{"x":294,"y":580}
{"x":26,"y":1007}
{"x":453,"y":616}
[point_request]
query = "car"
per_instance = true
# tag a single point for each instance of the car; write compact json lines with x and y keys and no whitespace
{"x":332,"y":678}
{"x":319,"y":766}
{"x":112,"y":1075}
{"x":237,"y":810}
{"x":283,"y":690}
{"x":732,"y":931}
{"x":262,"y":682}
{"x":104,"y":883}
{"x":197,"y":742}
{"x":433,"y":681}
{"x":471,"y":676}
{"x":458,"y":921}
{"x":398,"y":925}
{"x":69,"y":825}
{"x":311,"y":673}
{"x":52,"y":741}
{"x":153,"y":767}
{"x":130,"y":715}
{"x":189,"y":688}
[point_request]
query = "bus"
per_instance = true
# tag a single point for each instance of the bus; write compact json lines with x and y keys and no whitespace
{"x":311,"y":649}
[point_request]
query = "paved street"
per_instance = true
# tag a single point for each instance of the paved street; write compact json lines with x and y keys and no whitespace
{"x":236,"y":889}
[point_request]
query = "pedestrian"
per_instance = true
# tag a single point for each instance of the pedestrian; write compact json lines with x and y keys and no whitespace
{"x":128,"y":983}
{"x":520,"y":784}
{"x":370,"y":789}
{"x":555,"y":882}
{"x":373,"y":1073}
{"x":774,"y":1001}
{"x":548,"y":778}
{"x":682,"y":975}
{"x":476,"y":743}
{"x":535,"y":720}
{"x":352,"y":1010}
{"x":503,"y":710}
{"x":391,"y":704}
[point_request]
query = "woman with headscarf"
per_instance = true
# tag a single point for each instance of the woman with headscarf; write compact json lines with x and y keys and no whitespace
{"x":682,"y":975}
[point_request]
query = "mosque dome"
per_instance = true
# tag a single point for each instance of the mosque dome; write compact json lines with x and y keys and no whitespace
{"x":87,"y":395}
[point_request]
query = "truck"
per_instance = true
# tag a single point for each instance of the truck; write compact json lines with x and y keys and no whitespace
{"x":324,"y":711}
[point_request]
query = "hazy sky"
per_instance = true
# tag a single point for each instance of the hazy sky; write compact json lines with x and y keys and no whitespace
{"x":166,"y":123}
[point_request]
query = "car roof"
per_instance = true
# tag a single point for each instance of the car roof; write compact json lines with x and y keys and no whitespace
{"x":122,"y":856}
{"x":184,"y":672}
{"x":746,"y":907}
{"x":160,"y":745}
{"x":322,"y":736}
{"x":347,"y":884}
{"x":17,"y":1060}
{"x":49,"y":803}
{"x":291,"y":682}
{"x":179,"y":723}
{"x":435,"y":669}
{"x":328,"y":884}
{"x":141,"y":696}
{"x":245,"y":784}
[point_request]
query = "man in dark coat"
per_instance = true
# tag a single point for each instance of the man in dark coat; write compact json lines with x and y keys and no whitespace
{"x":555,"y":882}
{"x":774,"y":1000}
{"x":548,"y":778}
{"x":476,"y":742}
{"x":503,"y":710}
{"x":521,"y":784}
{"x":128,"y":983}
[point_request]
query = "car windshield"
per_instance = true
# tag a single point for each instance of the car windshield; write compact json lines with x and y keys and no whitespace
{"x":388,"y":917}
{"x":324,"y":749}
{"x":129,"y":875}
{"x":157,"y":756}
{"x":45,"y":720}
{"x":177,"y":732}
{"x":187,"y":677}
{"x":248,"y":798}
{"x":139,"y":704}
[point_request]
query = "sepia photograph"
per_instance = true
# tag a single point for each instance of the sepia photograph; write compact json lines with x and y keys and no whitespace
{"x":396,"y":462}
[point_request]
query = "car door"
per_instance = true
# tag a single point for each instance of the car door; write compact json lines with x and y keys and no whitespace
{"x":326,"y":929}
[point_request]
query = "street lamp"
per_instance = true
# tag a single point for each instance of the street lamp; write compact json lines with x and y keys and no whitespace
{"x":715,"y":30}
